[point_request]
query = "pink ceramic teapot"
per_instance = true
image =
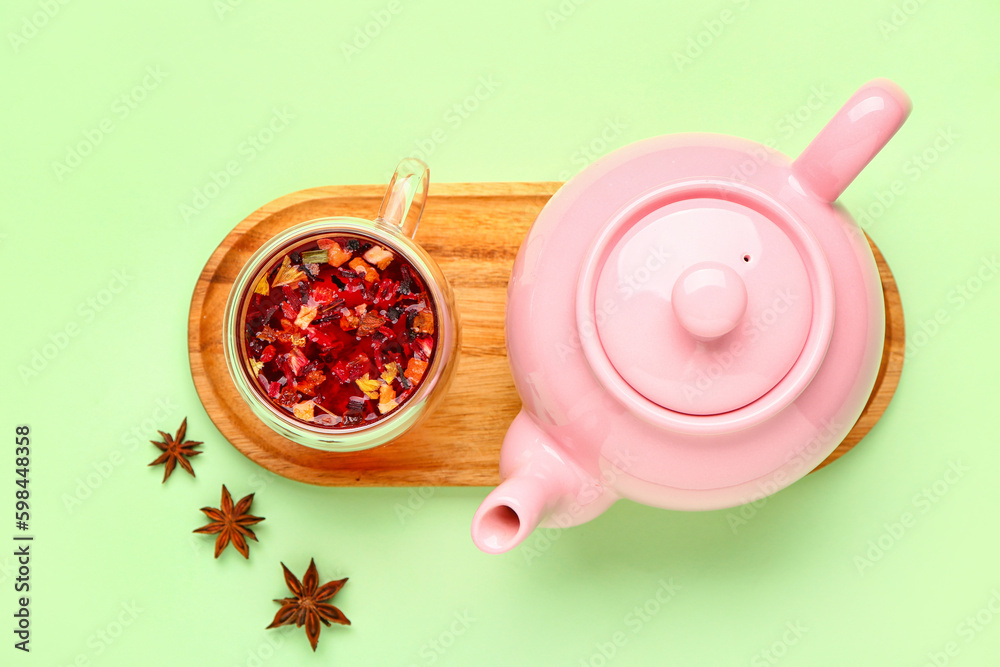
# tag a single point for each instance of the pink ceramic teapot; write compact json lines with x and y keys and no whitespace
{"x":692,"y":324}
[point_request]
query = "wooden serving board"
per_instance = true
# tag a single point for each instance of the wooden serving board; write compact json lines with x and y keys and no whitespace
{"x":473,"y":230}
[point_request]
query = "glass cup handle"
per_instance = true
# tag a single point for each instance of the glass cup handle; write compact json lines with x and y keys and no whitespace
{"x":405,"y":197}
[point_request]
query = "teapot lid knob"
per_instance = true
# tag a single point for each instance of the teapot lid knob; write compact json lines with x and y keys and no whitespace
{"x":709,"y":300}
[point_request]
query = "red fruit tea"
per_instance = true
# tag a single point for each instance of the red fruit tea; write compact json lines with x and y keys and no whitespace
{"x":340,"y":332}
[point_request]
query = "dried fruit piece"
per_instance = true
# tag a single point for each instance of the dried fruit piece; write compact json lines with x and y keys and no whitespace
{"x":267,"y":334}
{"x":385,"y":295}
{"x":339,"y":371}
{"x":268,"y":354}
{"x":315,"y":256}
{"x":422,"y":347}
{"x":256,"y":365}
{"x":336,"y":255}
{"x":370,"y":324}
{"x":305,"y":317}
{"x":273,"y":388}
{"x":368,"y":386}
{"x":356,"y":366}
{"x":423,"y":322}
{"x":287,"y":274}
{"x":415,"y":370}
{"x":378,"y":256}
{"x":287,"y":397}
{"x":323,"y":294}
{"x":289,"y":335}
{"x":386,"y":398}
{"x":362,"y":269}
{"x":389,"y":374}
{"x":303,"y":410}
{"x":308,"y":385}
{"x":348,"y":320}
{"x":297,"y":361}
{"x":262,"y":287}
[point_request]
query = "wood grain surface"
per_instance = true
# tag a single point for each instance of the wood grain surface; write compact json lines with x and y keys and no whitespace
{"x":473,"y":230}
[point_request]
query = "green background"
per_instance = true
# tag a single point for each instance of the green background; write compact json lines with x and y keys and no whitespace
{"x":570,"y":82}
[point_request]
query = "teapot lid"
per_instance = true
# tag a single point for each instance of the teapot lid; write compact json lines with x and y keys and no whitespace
{"x":703,"y":299}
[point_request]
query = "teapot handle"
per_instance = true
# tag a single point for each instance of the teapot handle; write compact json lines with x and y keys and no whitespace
{"x":852,"y":138}
{"x":404,"y":199}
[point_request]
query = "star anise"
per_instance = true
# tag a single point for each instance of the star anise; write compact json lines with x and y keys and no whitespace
{"x":231,"y":523}
{"x":310,"y":606}
{"x":175,"y":451}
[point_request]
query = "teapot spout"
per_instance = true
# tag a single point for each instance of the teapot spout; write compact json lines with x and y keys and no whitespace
{"x":541,"y":484}
{"x":512,"y":512}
